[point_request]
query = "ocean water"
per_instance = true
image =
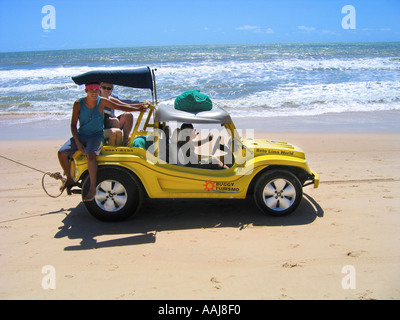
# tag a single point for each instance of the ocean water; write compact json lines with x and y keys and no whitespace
{"x":255,"y":80}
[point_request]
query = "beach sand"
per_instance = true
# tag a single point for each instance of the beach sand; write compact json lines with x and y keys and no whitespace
{"x":341,"y":243}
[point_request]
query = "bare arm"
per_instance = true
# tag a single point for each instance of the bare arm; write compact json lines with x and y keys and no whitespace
{"x":118,"y":105}
{"x":205,"y":140}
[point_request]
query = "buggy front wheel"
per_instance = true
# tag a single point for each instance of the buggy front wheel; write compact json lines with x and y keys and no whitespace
{"x":278,"y":192}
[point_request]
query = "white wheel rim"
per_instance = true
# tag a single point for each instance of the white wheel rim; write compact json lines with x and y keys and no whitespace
{"x":111,"y":196}
{"x":279,"y":194}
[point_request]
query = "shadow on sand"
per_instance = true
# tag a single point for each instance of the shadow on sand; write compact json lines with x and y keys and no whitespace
{"x":158,"y":215}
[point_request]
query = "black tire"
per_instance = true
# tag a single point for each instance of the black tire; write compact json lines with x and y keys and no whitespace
{"x":278,"y":192}
{"x":119,"y":195}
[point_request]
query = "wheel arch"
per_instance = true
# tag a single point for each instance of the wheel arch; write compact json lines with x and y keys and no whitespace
{"x":300,"y":173}
{"x":129,"y":172}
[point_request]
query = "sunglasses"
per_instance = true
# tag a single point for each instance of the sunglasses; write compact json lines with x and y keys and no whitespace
{"x":106,"y":88}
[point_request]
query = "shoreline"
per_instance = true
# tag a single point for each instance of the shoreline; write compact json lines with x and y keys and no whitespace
{"x":23,"y":127}
{"x":351,"y":122}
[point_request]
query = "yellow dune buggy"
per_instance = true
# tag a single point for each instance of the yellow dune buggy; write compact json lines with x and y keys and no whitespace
{"x":153,"y":164}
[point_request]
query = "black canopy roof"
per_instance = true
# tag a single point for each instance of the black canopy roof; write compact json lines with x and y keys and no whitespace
{"x":135,"y":78}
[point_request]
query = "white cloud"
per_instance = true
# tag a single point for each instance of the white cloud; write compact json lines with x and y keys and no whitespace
{"x":255,"y":29}
{"x":248,"y":28}
{"x":304,"y":28}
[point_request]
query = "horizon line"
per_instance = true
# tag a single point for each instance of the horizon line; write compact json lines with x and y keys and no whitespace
{"x":205,"y":44}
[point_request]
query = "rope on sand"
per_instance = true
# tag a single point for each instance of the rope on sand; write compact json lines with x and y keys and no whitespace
{"x":55,"y":175}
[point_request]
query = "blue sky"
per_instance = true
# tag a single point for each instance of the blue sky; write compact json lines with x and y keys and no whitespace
{"x":129,"y":23}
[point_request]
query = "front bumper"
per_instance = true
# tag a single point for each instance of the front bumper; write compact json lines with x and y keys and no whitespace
{"x":313,"y":179}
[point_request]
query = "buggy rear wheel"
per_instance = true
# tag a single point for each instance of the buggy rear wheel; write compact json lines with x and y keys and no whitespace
{"x":118,"y":195}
